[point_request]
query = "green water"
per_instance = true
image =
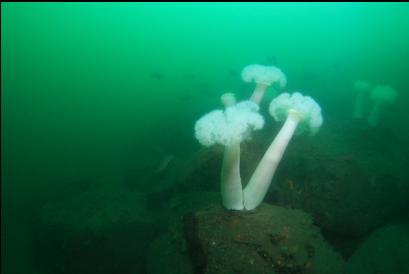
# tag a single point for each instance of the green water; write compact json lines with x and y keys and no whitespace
{"x":89,"y":89}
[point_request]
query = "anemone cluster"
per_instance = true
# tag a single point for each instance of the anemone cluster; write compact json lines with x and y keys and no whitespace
{"x":381,"y":97}
{"x":235,"y":123}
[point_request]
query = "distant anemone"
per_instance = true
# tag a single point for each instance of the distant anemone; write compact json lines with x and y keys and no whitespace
{"x":362,"y":89}
{"x":381,"y":97}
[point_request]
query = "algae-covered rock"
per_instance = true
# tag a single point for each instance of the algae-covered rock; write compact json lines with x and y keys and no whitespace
{"x":269,"y":240}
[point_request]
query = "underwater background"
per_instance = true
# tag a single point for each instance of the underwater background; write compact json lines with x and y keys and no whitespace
{"x":98,"y":105}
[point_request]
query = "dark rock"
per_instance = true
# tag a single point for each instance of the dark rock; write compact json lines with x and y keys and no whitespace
{"x":103,"y":229}
{"x":268,"y":240}
{"x":169,"y":253}
{"x":385,"y":251}
{"x":344,"y":179}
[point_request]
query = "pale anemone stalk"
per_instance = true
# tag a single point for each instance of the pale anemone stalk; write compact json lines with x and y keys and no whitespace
{"x":300,"y":113}
{"x":233,"y":125}
{"x":229,"y":127}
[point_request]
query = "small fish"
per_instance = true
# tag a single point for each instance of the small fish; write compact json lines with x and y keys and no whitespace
{"x":164,"y":163}
{"x":232,"y":73}
{"x":309,"y":76}
{"x":336,"y":66}
{"x":185,"y":98}
{"x":271,"y":60}
{"x":157,"y":75}
{"x":203,"y":87}
{"x":190,"y":76}
{"x":346,"y":157}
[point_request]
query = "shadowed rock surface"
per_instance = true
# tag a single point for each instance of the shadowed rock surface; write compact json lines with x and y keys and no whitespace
{"x":269,"y":240}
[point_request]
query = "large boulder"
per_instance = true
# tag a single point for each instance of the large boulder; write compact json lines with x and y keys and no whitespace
{"x":386,"y":251}
{"x":269,"y":240}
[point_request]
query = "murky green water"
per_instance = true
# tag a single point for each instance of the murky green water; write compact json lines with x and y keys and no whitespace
{"x":98,"y":107}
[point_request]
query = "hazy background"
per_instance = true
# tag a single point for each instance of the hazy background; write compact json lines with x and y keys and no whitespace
{"x":79,"y":92}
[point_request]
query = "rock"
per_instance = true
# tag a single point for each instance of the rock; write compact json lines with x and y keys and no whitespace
{"x":386,"y":251}
{"x":168,"y":254}
{"x":100,"y":229}
{"x":344,"y":177}
{"x":270,"y":239}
